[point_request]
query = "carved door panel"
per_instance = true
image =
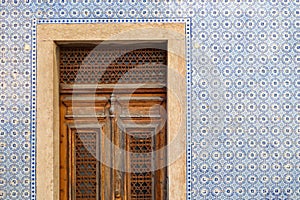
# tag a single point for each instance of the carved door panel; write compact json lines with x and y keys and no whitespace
{"x":141,"y":135}
{"x":84,"y":124}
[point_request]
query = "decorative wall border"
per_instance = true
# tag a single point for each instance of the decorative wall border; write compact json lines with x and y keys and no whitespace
{"x":33,"y":111}
{"x":188,"y":49}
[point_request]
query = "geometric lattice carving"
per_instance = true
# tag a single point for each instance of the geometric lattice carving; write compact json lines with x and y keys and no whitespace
{"x":141,"y":161}
{"x":86,"y":165}
{"x":110,"y":66}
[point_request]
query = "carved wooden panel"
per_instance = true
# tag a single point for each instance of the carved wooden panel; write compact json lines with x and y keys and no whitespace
{"x":85,"y":165}
{"x":83,"y":125}
{"x":85,"y":65}
{"x":141,"y":163}
{"x":142,"y":120}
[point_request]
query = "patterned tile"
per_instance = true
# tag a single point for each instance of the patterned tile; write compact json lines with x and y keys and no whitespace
{"x":243,"y":90}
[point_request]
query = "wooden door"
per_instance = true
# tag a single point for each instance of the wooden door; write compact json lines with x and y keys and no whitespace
{"x":141,"y":132}
{"x":113,"y":139}
{"x":113,"y":146}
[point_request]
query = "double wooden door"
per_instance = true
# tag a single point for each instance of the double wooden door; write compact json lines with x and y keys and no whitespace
{"x":113,"y":146}
{"x":112,"y":139}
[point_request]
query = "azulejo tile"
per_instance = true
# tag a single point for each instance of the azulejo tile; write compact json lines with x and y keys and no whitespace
{"x":243,"y":90}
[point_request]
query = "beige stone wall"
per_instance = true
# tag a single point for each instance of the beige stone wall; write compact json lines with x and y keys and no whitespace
{"x":48,"y":93}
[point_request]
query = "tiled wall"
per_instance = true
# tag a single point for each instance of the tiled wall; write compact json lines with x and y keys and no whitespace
{"x":243,"y":90}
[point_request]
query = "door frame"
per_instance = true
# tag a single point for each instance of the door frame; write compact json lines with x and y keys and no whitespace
{"x":47,"y":132}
